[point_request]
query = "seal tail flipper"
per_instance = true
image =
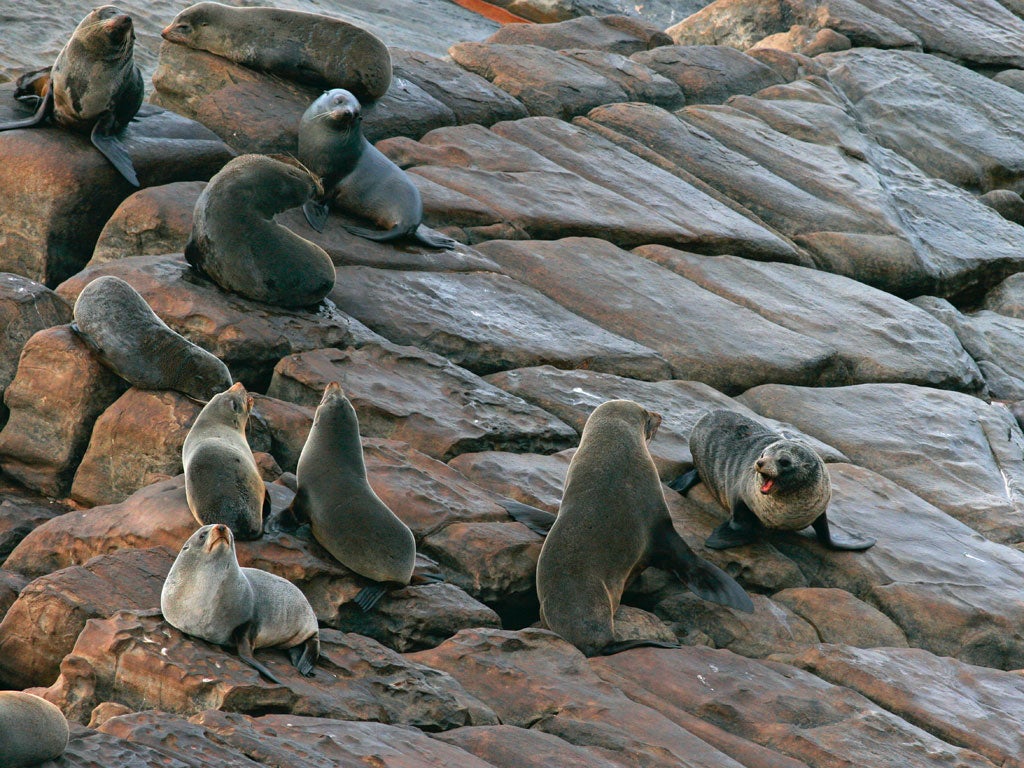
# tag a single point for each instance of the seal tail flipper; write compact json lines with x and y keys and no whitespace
{"x":625,"y":645}
{"x":304,"y":656}
{"x":537,"y":520}
{"x":368,"y":597}
{"x":434,"y":239}
{"x":242,"y":637}
{"x":685,"y":482}
{"x":43,"y":111}
{"x":316,"y":214}
{"x":104,"y":138}
{"x":704,"y":579}
{"x":837,"y":540}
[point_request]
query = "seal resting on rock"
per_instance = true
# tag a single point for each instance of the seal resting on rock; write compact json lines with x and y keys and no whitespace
{"x":345,"y":515}
{"x":766,"y":481}
{"x":237,"y":244}
{"x":222,"y":483}
{"x":612,"y":523}
{"x":357,"y":177}
{"x":32,"y":730}
{"x":207,"y":595}
{"x":94,"y":85}
{"x":130,"y":339}
{"x":305,"y":47}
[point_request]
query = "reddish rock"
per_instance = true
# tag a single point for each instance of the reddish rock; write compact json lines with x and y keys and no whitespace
{"x":616,"y":34}
{"x":506,"y":746}
{"x":839,"y":617}
{"x":807,"y":41}
{"x":287,"y":426}
{"x":787,"y":65}
{"x":640,"y":83}
{"x":527,"y":477}
{"x":56,"y":396}
{"x":708,"y":74}
{"x":20,"y":512}
{"x":105,"y":711}
{"x":151,"y":221}
{"x":11,"y":584}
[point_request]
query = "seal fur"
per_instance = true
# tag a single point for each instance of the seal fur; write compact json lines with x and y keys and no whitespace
{"x":32,"y":730}
{"x":207,"y":595}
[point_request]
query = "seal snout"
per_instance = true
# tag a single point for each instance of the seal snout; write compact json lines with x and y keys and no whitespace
{"x":218,"y":533}
{"x":768,"y":471}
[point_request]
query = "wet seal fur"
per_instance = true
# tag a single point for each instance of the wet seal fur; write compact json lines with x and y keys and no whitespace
{"x":345,"y":515}
{"x":94,"y":85}
{"x":130,"y":339}
{"x":237,"y":244}
{"x":207,"y":595}
{"x":32,"y":730}
{"x":222,"y":483}
{"x":306,"y":47}
{"x":357,"y":177}
{"x":766,"y":481}
{"x":612,"y":523}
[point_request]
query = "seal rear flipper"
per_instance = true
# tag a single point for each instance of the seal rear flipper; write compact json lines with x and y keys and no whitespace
{"x":841,"y":541}
{"x":316,"y":214}
{"x":743,"y":528}
{"x":291,"y":518}
{"x":685,"y":482}
{"x":368,"y":597}
{"x":704,"y":579}
{"x":537,"y":520}
{"x":625,"y":645}
{"x":379,"y":235}
{"x":104,"y":138}
{"x":43,"y":111}
{"x":434,"y":239}
{"x":242,"y":638}
{"x":304,"y":656}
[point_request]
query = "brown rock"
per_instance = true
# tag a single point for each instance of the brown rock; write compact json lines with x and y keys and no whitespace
{"x":839,"y":617}
{"x":809,"y":42}
{"x":20,"y":512}
{"x":11,"y":584}
{"x":506,"y":746}
{"x":287,"y":425}
{"x":787,"y":65}
{"x":105,"y":711}
{"x":526,"y":477}
{"x":709,"y":74}
{"x":1007,"y":298}
{"x":56,"y":396}
{"x":640,"y":83}
{"x":151,"y":221}
{"x":41,"y":627}
{"x":88,"y":748}
{"x":611,"y":33}
{"x":418,"y":397}
{"x":1005,"y":202}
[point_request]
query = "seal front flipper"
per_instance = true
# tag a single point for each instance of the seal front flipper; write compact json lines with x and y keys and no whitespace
{"x":368,"y":597}
{"x":43,"y":111}
{"x":434,"y":239}
{"x":838,"y":540}
{"x":316,"y":214}
{"x":242,"y":638}
{"x":685,"y":482}
{"x":704,"y":579}
{"x":304,"y":656}
{"x":743,"y":528}
{"x":537,"y":520}
{"x":104,"y":138}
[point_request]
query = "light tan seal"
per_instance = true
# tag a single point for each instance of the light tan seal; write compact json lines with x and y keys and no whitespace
{"x":130,"y":339}
{"x":32,"y":730}
{"x":768,"y":483}
{"x":612,"y":523}
{"x":222,"y":482}
{"x":94,"y":86}
{"x":305,"y":47}
{"x":346,"y":517}
{"x":207,"y":595}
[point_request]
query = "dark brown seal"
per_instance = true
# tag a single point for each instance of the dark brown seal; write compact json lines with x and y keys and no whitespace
{"x":766,"y":481}
{"x":94,"y":85}
{"x":207,"y":595}
{"x":612,"y":523}
{"x":32,"y":730}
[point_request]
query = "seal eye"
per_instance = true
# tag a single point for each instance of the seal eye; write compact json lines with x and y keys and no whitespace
{"x":184,"y":548}
{"x":785,"y":462}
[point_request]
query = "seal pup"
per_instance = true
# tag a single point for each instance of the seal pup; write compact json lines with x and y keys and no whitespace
{"x":237,"y":244}
{"x":767,"y":482}
{"x":32,"y":730}
{"x":357,"y":177}
{"x":222,"y":483}
{"x":129,"y":338}
{"x":345,"y":515}
{"x":94,"y":85}
{"x":307,"y":47}
{"x":207,"y":595}
{"x":612,"y":523}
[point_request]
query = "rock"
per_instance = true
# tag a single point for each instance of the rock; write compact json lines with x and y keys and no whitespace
{"x":105,"y":711}
{"x":11,"y":584}
{"x":1007,"y":298}
{"x":640,"y":83}
{"x":709,"y":74}
{"x":703,"y":337}
{"x":506,"y":746}
{"x":406,"y":110}
{"x":552,"y":11}
{"x":150,"y":222}
{"x":787,"y":65}
{"x":249,"y":337}
{"x":809,"y":42}
{"x":287,"y":425}
{"x":486,"y":323}
{"x":839,"y":617}
{"x":62,"y":602}
{"x":525,"y":477}
{"x":1006,"y":203}
{"x":615,"y":34}
{"x":1011,"y":78}
{"x":56,"y":396}
{"x":20,"y":512}
{"x":51,"y":226}
{"x":421,"y":398}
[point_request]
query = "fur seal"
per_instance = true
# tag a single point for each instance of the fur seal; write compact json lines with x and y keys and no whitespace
{"x":94,"y":85}
{"x":237,"y":244}
{"x":207,"y":595}
{"x":357,"y":177}
{"x":222,"y":483}
{"x":307,"y":47}
{"x":766,"y":481}
{"x":128,"y":336}
{"x":32,"y":730}
{"x":346,"y":517}
{"x":612,"y":523}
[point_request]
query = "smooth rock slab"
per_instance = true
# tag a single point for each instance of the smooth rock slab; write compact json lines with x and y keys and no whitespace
{"x":22,"y":511}
{"x":11,"y":584}
{"x":839,"y":617}
{"x":616,"y":34}
{"x":506,"y":746}
{"x":420,"y":398}
{"x":526,"y":477}
{"x":1007,"y":298}
{"x":486,"y":323}
{"x":709,"y":74}
{"x":149,"y":222}
{"x":640,"y":83}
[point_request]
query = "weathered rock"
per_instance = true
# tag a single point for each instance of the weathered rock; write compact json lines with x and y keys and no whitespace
{"x":553,"y":11}
{"x":709,"y":74}
{"x":11,"y":584}
{"x":615,"y":34}
{"x":405,"y":394}
{"x":486,"y":322}
{"x":287,"y":425}
{"x":640,"y":83}
{"x":56,"y":396}
{"x":151,"y":221}
{"x":525,"y":477}
{"x":803,"y":39}
{"x":1011,"y":78}
{"x":1008,"y":204}
{"x":20,"y":512}
{"x":1007,"y":298}
{"x":49,"y":228}
{"x":839,"y":617}
{"x":506,"y":746}
{"x":41,"y":627}
{"x":788,"y":65}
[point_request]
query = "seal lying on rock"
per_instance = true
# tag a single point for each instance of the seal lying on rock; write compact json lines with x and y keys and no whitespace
{"x":222,"y":483}
{"x":207,"y":595}
{"x":357,"y":177}
{"x":94,"y":85}
{"x":130,"y":339}
{"x":237,"y":244}
{"x":32,"y":730}
{"x":612,"y":523}
{"x":306,"y":47}
{"x":765,"y":481}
